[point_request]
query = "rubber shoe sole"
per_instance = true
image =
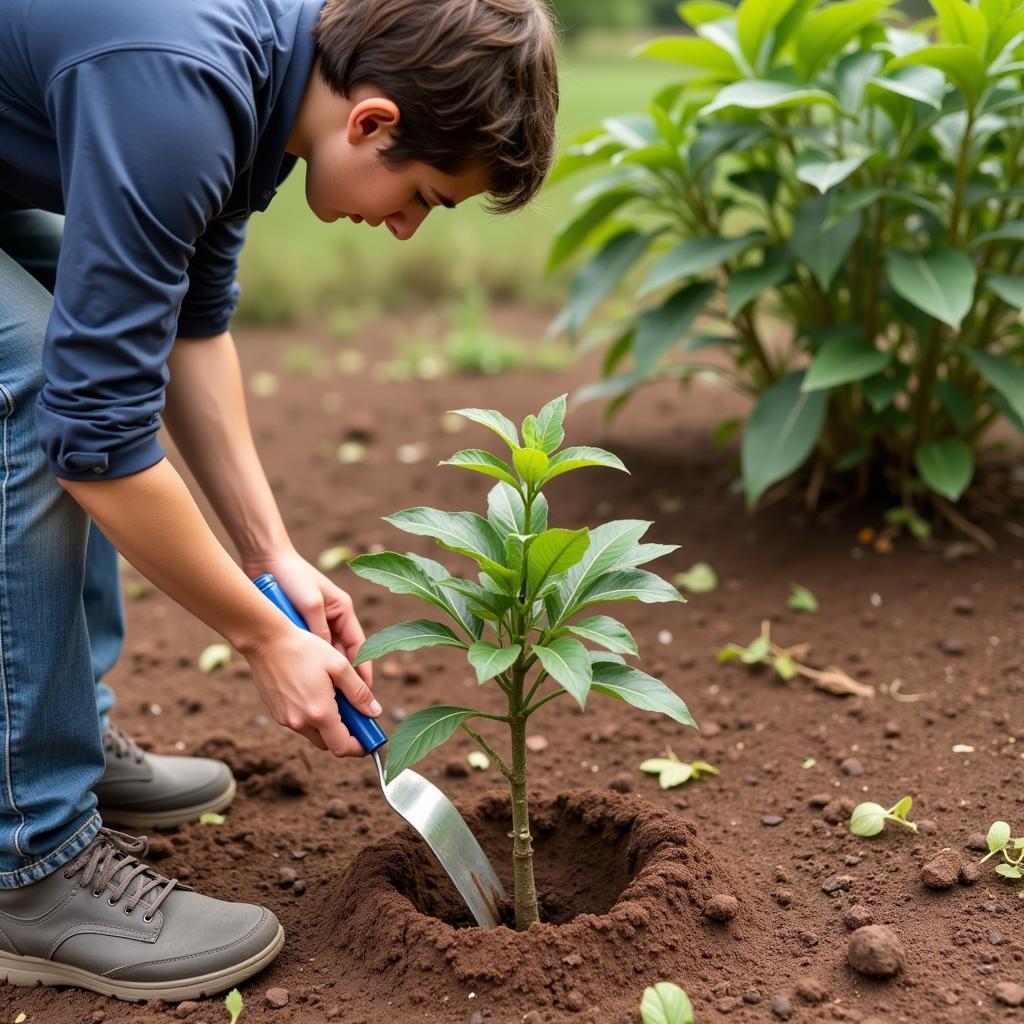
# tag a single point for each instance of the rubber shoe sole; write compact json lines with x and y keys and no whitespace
{"x":31,"y":970}
{"x":167,"y":819}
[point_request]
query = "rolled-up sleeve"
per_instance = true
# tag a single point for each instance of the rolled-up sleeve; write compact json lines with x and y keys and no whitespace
{"x":149,"y":142}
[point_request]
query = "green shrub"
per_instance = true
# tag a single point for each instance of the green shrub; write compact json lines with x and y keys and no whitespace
{"x":830,"y":203}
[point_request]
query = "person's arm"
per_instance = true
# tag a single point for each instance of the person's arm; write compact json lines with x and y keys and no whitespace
{"x":207,"y":417}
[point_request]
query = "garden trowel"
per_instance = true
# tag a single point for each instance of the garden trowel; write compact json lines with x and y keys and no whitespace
{"x":420,"y":802}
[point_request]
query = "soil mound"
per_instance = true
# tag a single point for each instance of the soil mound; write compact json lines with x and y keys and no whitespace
{"x":624,"y":887}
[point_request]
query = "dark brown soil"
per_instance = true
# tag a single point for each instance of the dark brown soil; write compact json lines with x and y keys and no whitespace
{"x":944,"y":618}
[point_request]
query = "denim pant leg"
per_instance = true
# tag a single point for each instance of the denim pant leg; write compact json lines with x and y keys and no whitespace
{"x":104,"y":614}
{"x":32,"y":238}
{"x":51,"y":754}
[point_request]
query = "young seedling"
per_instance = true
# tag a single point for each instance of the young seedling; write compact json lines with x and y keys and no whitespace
{"x":234,"y":1004}
{"x":665,"y":1003}
{"x":1012,"y":849}
{"x":802,"y":600}
{"x":787,"y":663}
{"x":672,"y":772}
{"x":517,"y":622}
{"x":869,"y":819}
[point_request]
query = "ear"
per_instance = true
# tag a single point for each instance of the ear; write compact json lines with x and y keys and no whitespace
{"x":369,"y":116}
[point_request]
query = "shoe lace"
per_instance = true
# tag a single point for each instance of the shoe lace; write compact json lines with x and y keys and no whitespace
{"x":112,"y":852}
{"x":116,"y":740}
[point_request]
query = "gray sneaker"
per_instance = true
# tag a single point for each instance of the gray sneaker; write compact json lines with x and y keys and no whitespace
{"x":109,"y":923}
{"x":141,"y":791}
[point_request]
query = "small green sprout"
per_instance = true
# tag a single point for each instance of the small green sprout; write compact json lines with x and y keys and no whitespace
{"x":672,"y":772}
{"x":234,"y":1004}
{"x":211,"y":819}
{"x":868,"y":819}
{"x":665,"y":1003}
{"x":698,"y":579}
{"x":808,"y":764}
{"x":802,"y":600}
{"x":1012,"y":849}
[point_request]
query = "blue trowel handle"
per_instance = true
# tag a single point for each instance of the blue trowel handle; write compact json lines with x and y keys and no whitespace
{"x":363,"y":728}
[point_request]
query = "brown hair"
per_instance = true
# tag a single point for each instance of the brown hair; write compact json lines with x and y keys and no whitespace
{"x":475,"y":80}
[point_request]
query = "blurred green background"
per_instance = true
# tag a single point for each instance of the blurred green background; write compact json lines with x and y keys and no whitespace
{"x":295,"y":268}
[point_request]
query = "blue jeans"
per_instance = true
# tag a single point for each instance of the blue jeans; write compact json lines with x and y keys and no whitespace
{"x":61,"y":618}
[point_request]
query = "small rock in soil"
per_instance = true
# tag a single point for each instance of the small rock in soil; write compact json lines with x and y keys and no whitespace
{"x":969,"y":873}
{"x":996,"y":938}
{"x":532,"y":1017}
{"x":875,"y":951}
{"x":456,"y":769}
{"x":976,"y":841}
{"x":819,"y":800}
{"x":1009,"y":993}
{"x":837,"y":810}
{"x":782,"y":1008}
{"x":892,"y":731}
{"x":953,"y":646}
{"x":299,"y":887}
{"x":477,"y":1018}
{"x":183,"y":1009}
{"x":943,"y":870}
{"x":621,"y":783}
{"x":783,"y":897}
{"x":286,"y":877}
{"x":837,"y":883}
{"x":277,"y":997}
{"x":771,"y":820}
{"x":722,"y":907}
{"x":536,"y":744}
{"x":336,"y":808}
{"x":962,"y":606}
{"x":710,"y":729}
{"x":811,"y":990}
{"x":398,"y":714}
{"x":574,"y":1000}
{"x":851,"y":766}
{"x":293,"y":777}
{"x":927,"y":827}
{"x":858,"y":916}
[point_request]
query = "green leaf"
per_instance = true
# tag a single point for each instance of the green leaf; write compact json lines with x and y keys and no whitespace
{"x":998,"y":836}
{"x":695,"y":256}
{"x":567,"y":662}
{"x":574,"y":232}
{"x":868,"y":819}
{"x":959,"y":22}
{"x":759,"y":649}
{"x":780,"y":435}
{"x":1005,"y":376}
{"x":599,"y":277}
{"x":1011,"y":231}
{"x":823,"y":173}
{"x":531,"y":464}
{"x":698,"y":579}
{"x":623,"y":682}
{"x":823,"y":249}
{"x":1008,"y":287}
{"x":233,"y":1003}
{"x":755,"y":20}
{"x":785,"y":667}
{"x":463,"y":532}
{"x":881,"y":390}
{"x":940,"y":283}
{"x":902,"y":808}
{"x":407,"y":636}
{"x":606,"y":631}
{"x":400,"y":574}
{"x":492,"y":420}
{"x":665,"y":1003}
{"x":506,"y":511}
{"x":847,"y":358}
{"x":956,"y":402}
{"x":750,"y":283}
{"x":210,"y":818}
{"x":553,"y":552}
{"x":580,"y":457}
{"x":479,"y":600}
{"x":921,"y":84}
{"x":698,"y":54}
{"x":481,"y":462}
{"x":697,"y":12}
{"x":414,"y":737}
{"x":824,"y":33}
{"x":490,"y":660}
{"x":1009,"y":871}
{"x":946,"y":466}
{"x":659,"y":329}
{"x":629,"y":585}
{"x":644,"y":553}
{"x":802,"y":600}
{"x":768,"y":95}
{"x":961,"y":64}
{"x":550,"y":432}
{"x":670,"y":773}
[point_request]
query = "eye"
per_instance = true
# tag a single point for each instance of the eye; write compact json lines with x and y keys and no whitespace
{"x":419,"y":198}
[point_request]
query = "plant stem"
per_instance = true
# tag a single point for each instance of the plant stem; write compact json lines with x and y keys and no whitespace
{"x":522,"y":848}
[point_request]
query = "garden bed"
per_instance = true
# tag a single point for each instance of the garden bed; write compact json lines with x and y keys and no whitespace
{"x":946,"y":620}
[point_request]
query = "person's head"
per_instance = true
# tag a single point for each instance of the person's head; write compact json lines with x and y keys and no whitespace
{"x":417,"y":103}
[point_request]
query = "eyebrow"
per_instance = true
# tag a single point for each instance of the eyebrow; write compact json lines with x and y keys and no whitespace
{"x":445,"y":201}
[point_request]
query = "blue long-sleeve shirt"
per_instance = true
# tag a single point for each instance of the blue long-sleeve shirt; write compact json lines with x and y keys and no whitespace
{"x":157,"y":127}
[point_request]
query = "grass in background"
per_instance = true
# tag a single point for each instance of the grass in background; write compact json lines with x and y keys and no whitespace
{"x":294,"y":267}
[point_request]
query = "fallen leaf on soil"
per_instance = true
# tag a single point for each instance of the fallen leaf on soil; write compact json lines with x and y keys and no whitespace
{"x":213,"y":657}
